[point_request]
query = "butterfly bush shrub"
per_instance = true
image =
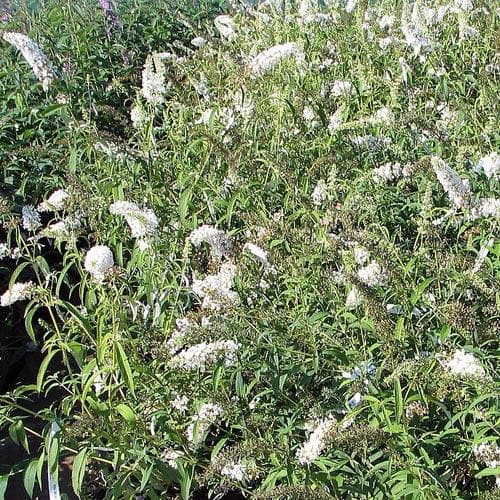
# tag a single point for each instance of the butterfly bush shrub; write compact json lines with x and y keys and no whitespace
{"x":278,"y":280}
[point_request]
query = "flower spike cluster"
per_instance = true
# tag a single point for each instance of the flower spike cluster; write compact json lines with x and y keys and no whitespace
{"x":35,"y":57}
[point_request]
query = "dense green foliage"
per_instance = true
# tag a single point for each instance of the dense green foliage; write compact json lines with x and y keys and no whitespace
{"x":345,"y":311}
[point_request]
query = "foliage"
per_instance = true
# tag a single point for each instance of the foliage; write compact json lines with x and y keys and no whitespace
{"x":336,"y":335}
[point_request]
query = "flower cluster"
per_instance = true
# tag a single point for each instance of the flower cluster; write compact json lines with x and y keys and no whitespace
{"x":56,"y":201}
{"x":387,"y":173}
{"x":268,"y":59}
{"x":109,"y":12}
{"x":458,"y":191}
{"x":320,"y":193}
{"x":4,"y":250}
{"x":215,"y":289}
{"x":18,"y":291}
{"x":355,"y":400}
{"x":308,"y":13}
{"x":354,"y":299}
{"x":63,"y":230}
{"x":371,"y":142}
{"x":39,"y":62}
{"x":142,"y":222}
{"x":415,"y":409}
{"x":484,"y":207}
{"x":335,"y":121}
{"x":205,"y":355}
{"x":383,"y":116}
{"x":361,"y":254}
{"x":154,"y":86}
{"x":180,"y":403}
{"x":341,"y":88}
{"x":171,"y":457}
{"x":220,"y":244}
{"x":372,"y":274}
{"x":199,"y":42}
{"x":415,"y":30}
{"x":488,"y":454}
{"x":463,"y":364}
{"x":111,"y":150}
{"x":99,"y":261}
{"x":31,"y":218}
{"x":235,"y":471}
{"x":490,"y":165}
{"x":138,"y":116}
{"x":258,"y":253}
{"x":322,"y":432}
{"x":351,"y":6}
{"x":363,"y":370}
{"x":201,"y":422}
{"x":225,"y":26}
{"x":176,"y":340}
{"x":310,"y":117}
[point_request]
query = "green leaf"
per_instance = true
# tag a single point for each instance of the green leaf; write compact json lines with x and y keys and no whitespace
{"x":184,"y":201}
{"x":317,"y":317}
{"x":51,"y":110}
{"x":217,"y":376}
{"x":126,"y":412}
{"x":18,"y":434}
{"x":398,"y":398}
{"x":78,"y":316}
{"x":43,"y":368}
{"x":399,"y":330}
{"x":186,"y":481}
{"x":230,"y":210}
{"x":119,"y":253}
{"x":16,"y":273}
{"x":78,"y":471}
{"x":39,"y":468}
{"x":29,"y":477}
{"x":28,"y":321}
{"x":489,"y":471}
{"x":62,"y":278}
{"x":217,"y":448}
{"x":124,"y":366}
{"x":53,"y":455}
{"x":240,"y":385}
{"x":271,"y":479}
{"x":100,"y":407}
{"x":415,"y":296}
{"x":4,"y":480}
{"x":145,"y":477}
{"x":426,"y":457}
